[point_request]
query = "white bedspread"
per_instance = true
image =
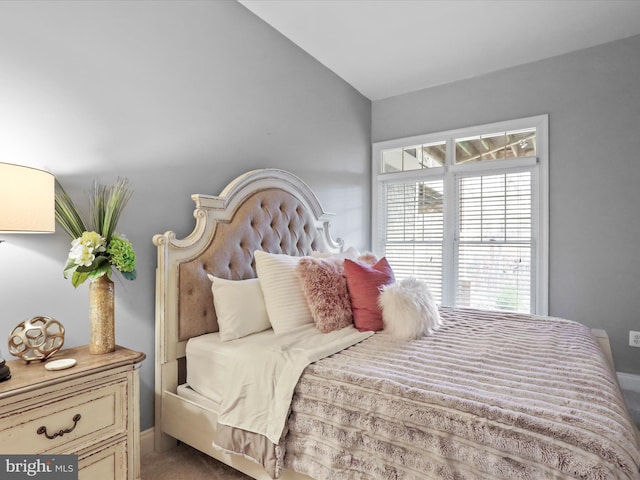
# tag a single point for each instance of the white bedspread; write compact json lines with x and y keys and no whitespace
{"x":262,"y":379}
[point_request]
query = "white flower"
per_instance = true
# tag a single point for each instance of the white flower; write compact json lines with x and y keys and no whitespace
{"x":84,"y":249}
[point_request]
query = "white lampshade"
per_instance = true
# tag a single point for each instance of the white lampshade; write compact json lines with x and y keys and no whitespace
{"x":27,"y":200}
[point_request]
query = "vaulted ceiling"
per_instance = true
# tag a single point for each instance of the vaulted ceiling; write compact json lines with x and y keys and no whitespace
{"x":389,"y":47}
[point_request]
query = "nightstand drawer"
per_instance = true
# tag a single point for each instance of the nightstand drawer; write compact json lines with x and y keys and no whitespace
{"x":69,"y":424}
{"x":110,"y":462}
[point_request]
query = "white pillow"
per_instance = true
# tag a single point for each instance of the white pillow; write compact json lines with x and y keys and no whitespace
{"x":351,"y":253}
{"x":286,"y":304}
{"x":408,"y":309}
{"x":239,"y":307}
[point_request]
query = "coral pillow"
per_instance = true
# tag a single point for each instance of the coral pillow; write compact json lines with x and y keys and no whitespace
{"x":364,"y":283}
{"x":325,"y":288}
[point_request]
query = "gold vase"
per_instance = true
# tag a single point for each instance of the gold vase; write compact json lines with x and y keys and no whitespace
{"x":101,"y":313}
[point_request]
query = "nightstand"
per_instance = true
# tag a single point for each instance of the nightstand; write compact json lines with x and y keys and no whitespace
{"x":90,"y":409}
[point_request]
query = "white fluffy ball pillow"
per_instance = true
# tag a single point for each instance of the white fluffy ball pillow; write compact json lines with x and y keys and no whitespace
{"x":408,"y":309}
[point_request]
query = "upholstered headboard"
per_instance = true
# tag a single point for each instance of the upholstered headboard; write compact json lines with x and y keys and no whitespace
{"x":270,"y":210}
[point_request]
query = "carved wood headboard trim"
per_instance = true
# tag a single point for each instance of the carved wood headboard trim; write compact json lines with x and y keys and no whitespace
{"x":267,"y":209}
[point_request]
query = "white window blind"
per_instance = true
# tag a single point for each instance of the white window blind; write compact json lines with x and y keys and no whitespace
{"x":472,"y":221}
{"x":415,"y":231}
{"x":494,"y":243}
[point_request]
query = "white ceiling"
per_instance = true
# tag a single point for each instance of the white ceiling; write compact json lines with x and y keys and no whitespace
{"x":389,"y":47}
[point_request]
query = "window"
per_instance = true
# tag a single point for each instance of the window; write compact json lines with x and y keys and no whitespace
{"x":467,"y":211}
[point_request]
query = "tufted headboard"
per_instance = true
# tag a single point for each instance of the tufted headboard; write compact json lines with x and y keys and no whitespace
{"x":268,"y":209}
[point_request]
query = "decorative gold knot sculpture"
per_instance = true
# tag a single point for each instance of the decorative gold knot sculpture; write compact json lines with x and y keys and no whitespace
{"x":36,"y":339}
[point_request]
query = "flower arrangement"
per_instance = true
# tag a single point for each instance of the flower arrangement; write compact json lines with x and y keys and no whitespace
{"x":95,"y":251}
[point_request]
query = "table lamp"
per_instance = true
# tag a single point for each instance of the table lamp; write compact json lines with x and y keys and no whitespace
{"x":27,"y":205}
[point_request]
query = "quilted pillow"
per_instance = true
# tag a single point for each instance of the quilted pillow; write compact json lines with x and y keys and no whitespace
{"x":325,"y":289}
{"x":364,"y":283}
{"x":239,"y":307}
{"x":408,"y":309}
{"x":286,"y":305}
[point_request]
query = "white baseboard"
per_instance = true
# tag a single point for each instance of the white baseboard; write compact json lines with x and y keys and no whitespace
{"x":629,"y":381}
{"x":146,"y":441}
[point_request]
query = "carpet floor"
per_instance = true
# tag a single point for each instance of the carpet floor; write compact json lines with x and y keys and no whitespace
{"x":186,"y":463}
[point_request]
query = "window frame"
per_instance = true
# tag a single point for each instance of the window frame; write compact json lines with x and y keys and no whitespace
{"x":449,"y":172}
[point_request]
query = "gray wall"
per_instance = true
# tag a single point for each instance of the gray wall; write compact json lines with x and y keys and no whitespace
{"x":593,"y":100}
{"x":180,"y":97}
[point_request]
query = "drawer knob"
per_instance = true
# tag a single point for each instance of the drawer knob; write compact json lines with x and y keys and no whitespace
{"x":43,"y":430}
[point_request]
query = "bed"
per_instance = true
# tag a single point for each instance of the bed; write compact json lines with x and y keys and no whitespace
{"x":488,"y":395}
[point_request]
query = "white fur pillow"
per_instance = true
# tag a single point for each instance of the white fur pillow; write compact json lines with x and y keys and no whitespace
{"x":408,"y":309}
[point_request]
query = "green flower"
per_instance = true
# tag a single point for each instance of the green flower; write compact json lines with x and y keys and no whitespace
{"x":122,"y":255}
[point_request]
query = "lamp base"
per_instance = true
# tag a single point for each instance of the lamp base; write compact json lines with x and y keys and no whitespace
{"x":5,"y":373}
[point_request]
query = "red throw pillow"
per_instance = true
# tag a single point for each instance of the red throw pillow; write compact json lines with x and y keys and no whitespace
{"x":364,"y":282}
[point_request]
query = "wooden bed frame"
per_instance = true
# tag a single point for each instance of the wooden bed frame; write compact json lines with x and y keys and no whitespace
{"x":268,"y":209}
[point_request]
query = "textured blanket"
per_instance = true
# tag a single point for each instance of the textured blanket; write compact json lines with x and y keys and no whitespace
{"x":491,"y":396}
